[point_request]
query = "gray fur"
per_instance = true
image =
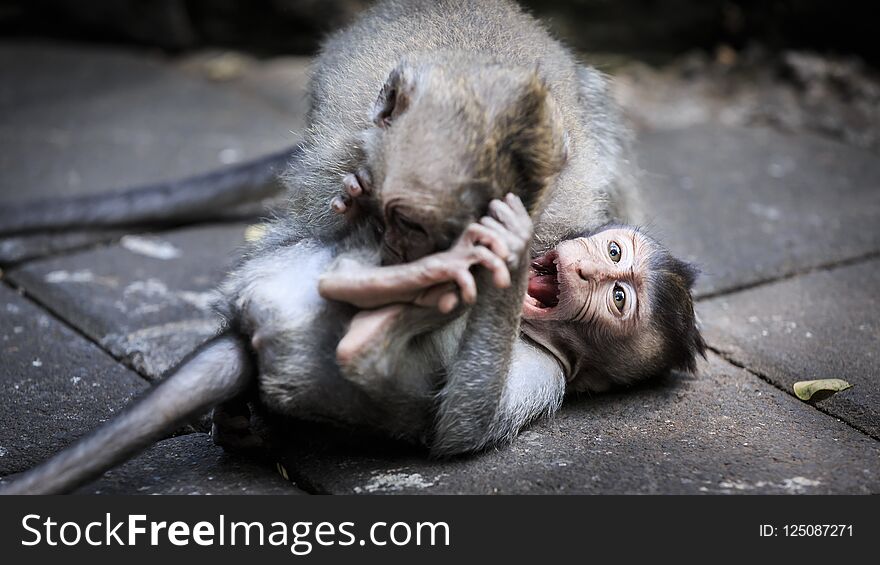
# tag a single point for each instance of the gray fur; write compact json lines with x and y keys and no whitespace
{"x":455,"y":40}
{"x":460,"y":382}
{"x":353,"y":66}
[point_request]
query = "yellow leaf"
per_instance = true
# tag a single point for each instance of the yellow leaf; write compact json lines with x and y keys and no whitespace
{"x":820,"y":389}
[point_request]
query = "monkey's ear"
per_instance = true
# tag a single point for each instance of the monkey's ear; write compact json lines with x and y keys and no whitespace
{"x":394,"y":97}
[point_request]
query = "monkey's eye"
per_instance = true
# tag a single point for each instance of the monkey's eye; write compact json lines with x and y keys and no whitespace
{"x":407,"y":224}
{"x":614,"y":251}
{"x":619,"y":297}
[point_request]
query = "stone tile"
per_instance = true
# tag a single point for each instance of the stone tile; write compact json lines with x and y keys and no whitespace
{"x":821,"y":325}
{"x":145,"y":299}
{"x":16,"y":249}
{"x":725,"y":431}
{"x":78,"y":120}
{"x":55,"y":384}
{"x":191,"y":464}
{"x":280,"y":81}
{"x":749,"y":204}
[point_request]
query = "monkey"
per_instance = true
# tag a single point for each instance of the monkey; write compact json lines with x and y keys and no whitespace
{"x":435,"y":62}
{"x":436,"y":50}
{"x":167,"y":202}
{"x":603,"y":308}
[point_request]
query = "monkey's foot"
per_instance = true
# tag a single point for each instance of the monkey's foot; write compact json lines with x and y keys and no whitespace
{"x":231,"y":427}
{"x":367,"y":331}
{"x":356,"y":185}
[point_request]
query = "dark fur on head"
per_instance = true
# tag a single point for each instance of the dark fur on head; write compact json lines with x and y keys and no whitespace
{"x":673,"y":317}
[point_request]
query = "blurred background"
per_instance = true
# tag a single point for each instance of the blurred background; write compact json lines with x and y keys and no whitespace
{"x":651,"y":29}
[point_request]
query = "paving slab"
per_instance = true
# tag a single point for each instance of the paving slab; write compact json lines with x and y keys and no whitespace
{"x":146,"y":299}
{"x":822,"y":325}
{"x":752,"y":204}
{"x":79,"y":120}
{"x":191,"y":464}
{"x":16,"y":249}
{"x":725,"y":431}
{"x":55,"y":384}
{"x":280,"y":81}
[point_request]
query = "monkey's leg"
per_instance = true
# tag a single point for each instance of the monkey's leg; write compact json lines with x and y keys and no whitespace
{"x":231,"y":426}
{"x":218,"y":371}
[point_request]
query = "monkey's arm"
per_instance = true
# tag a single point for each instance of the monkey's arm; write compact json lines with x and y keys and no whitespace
{"x":479,"y":397}
{"x":365,"y":286}
{"x":216,"y":372}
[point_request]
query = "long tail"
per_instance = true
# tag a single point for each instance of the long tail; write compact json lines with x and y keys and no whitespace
{"x":168,"y":202}
{"x":218,"y":371}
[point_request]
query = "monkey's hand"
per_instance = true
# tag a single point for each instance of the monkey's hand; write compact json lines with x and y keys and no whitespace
{"x":506,"y":231}
{"x":430,"y":281}
{"x":357,"y":185}
{"x":436,"y":280}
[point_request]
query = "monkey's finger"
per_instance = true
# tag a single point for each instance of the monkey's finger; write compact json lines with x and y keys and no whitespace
{"x":447,"y":302}
{"x":522,"y":221}
{"x":340,"y":204}
{"x":486,"y":237}
{"x":352,"y":185}
{"x":493,"y":225}
{"x":365,"y":179}
{"x":511,"y":240}
{"x":502,"y":212}
{"x":465,"y":281}
{"x":431,"y":298}
{"x":516,"y":203}
{"x":498,"y":266}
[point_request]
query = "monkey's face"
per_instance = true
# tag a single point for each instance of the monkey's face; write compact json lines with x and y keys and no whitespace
{"x":613,"y":307}
{"x":429,"y":189}
{"x":600,"y":280}
{"x":448,"y":141}
{"x":425,"y":159}
{"x":589,"y":295}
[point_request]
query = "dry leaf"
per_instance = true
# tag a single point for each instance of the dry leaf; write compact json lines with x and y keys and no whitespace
{"x":820,"y":389}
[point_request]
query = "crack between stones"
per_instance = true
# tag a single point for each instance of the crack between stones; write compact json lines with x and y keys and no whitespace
{"x":298,"y":479}
{"x":23,"y":292}
{"x":768,"y":380}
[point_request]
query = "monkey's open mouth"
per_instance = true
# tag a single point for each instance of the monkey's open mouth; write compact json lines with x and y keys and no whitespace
{"x":544,"y":282}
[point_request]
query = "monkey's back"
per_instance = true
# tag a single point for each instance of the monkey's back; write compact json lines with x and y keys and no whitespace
{"x":354,"y":63}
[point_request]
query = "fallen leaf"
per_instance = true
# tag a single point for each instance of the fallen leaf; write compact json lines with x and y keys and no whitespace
{"x":820,"y":389}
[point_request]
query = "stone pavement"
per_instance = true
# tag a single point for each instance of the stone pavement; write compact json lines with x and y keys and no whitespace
{"x":786,"y":226}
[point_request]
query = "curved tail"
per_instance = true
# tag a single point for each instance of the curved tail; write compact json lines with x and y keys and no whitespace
{"x":216,"y":372}
{"x":169,"y":202}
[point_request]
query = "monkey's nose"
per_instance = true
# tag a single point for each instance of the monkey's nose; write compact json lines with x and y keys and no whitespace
{"x":589,"y":271}
{"x":585,"y":271}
